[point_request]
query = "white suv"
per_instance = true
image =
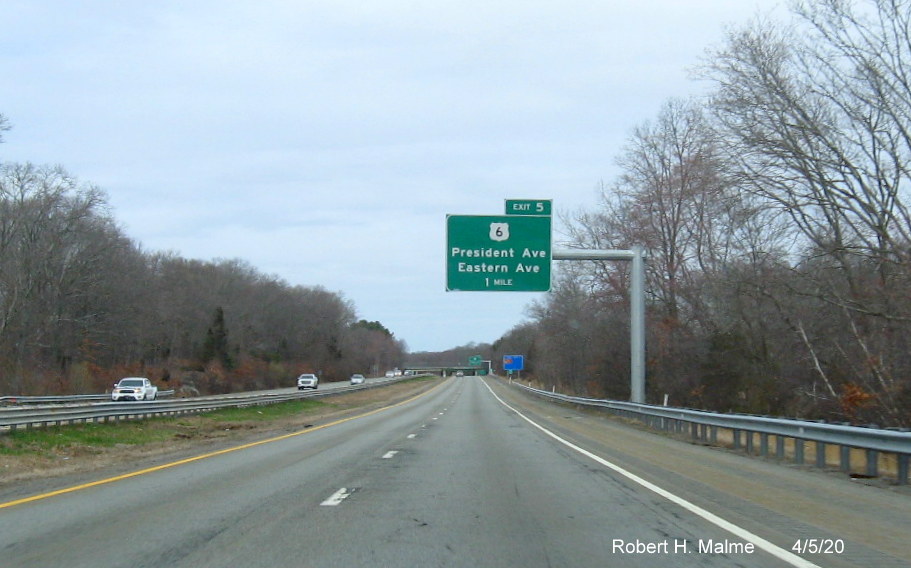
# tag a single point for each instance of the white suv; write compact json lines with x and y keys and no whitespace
{"x":134,"y":388}
{"x":307,"y":381}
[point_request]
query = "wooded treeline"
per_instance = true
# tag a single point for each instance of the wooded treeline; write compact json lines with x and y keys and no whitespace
{"x":81,"y":305}
{"x":776,"y":218}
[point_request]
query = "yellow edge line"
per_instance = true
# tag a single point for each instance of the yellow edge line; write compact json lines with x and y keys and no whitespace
{"x":204,"y":456}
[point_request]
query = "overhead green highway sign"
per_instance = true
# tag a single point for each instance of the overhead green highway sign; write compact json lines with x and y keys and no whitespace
{"x":498,"y":253}
{"x":529,"y":206}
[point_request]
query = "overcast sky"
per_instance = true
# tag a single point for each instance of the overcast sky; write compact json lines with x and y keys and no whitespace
{"x":325,"y":142}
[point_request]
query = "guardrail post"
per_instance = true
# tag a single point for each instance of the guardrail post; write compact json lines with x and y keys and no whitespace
{"x":820,"y":455}
{"x":903,"y":469}
{"x":735,"y":433}
{"x":872,"y":463}
{"x":763,"y":444}
{"x":779,"y":446}
{"x":845,"y":458}
{"x":798,"y":451}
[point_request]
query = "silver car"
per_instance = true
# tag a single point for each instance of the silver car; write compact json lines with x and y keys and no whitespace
{"x":357,"y":379}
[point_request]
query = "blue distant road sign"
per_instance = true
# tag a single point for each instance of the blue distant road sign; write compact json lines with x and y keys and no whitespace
{"x":513,"y":362}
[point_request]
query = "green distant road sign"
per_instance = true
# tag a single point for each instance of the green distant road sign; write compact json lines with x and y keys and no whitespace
{"x":488,"y":253}
{"x":529,"y":206}
{"x":474,"y":360}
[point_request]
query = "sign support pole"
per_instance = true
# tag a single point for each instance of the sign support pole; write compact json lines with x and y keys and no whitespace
{"x":637,"y":307}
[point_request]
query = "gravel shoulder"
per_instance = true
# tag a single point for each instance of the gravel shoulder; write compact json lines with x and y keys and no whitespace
{"x":777,"y":500}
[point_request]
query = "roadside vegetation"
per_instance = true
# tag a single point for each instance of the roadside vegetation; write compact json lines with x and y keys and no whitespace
{"x":776,"y":217}
{"x":81,"y":306}
{"x":775,"y":213}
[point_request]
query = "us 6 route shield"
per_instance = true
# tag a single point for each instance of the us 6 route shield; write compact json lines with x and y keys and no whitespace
{"x":498,"y":253}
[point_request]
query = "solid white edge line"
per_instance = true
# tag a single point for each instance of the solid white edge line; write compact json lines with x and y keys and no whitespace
{"x":736,"y":530}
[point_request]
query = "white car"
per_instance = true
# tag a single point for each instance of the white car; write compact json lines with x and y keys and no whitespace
{"x":357,"y":379}
{"x":134,"y":388}
{"x":307,"y":381}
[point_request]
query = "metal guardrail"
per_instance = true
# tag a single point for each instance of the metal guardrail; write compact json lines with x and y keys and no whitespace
{"x":65,"y":398}
{"x":13,"y":418}
{"x":704,"y":426}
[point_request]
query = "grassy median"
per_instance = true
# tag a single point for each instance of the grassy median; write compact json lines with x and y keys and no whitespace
{"x":92,"y":436}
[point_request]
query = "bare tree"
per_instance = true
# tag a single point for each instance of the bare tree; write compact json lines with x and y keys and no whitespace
{"x":673,"y":180}
{"x":4,"y":126}
{"x":53,"y":237}
{"x":817,"y":122}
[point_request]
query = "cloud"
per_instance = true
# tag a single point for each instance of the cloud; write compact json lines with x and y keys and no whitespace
{"x":325,"y":141}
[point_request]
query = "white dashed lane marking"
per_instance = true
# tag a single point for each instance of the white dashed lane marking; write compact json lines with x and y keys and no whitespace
{"x":389,"y":454}
{"x":337,"y":497}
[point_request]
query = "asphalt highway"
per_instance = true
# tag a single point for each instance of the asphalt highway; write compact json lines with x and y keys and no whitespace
{"x":474,"y":474}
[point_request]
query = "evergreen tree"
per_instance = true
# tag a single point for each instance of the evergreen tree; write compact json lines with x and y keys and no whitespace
{"x":215,"y":346}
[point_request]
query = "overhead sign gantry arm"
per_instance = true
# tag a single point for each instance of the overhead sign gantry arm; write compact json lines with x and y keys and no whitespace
{"x":637,"y":307}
